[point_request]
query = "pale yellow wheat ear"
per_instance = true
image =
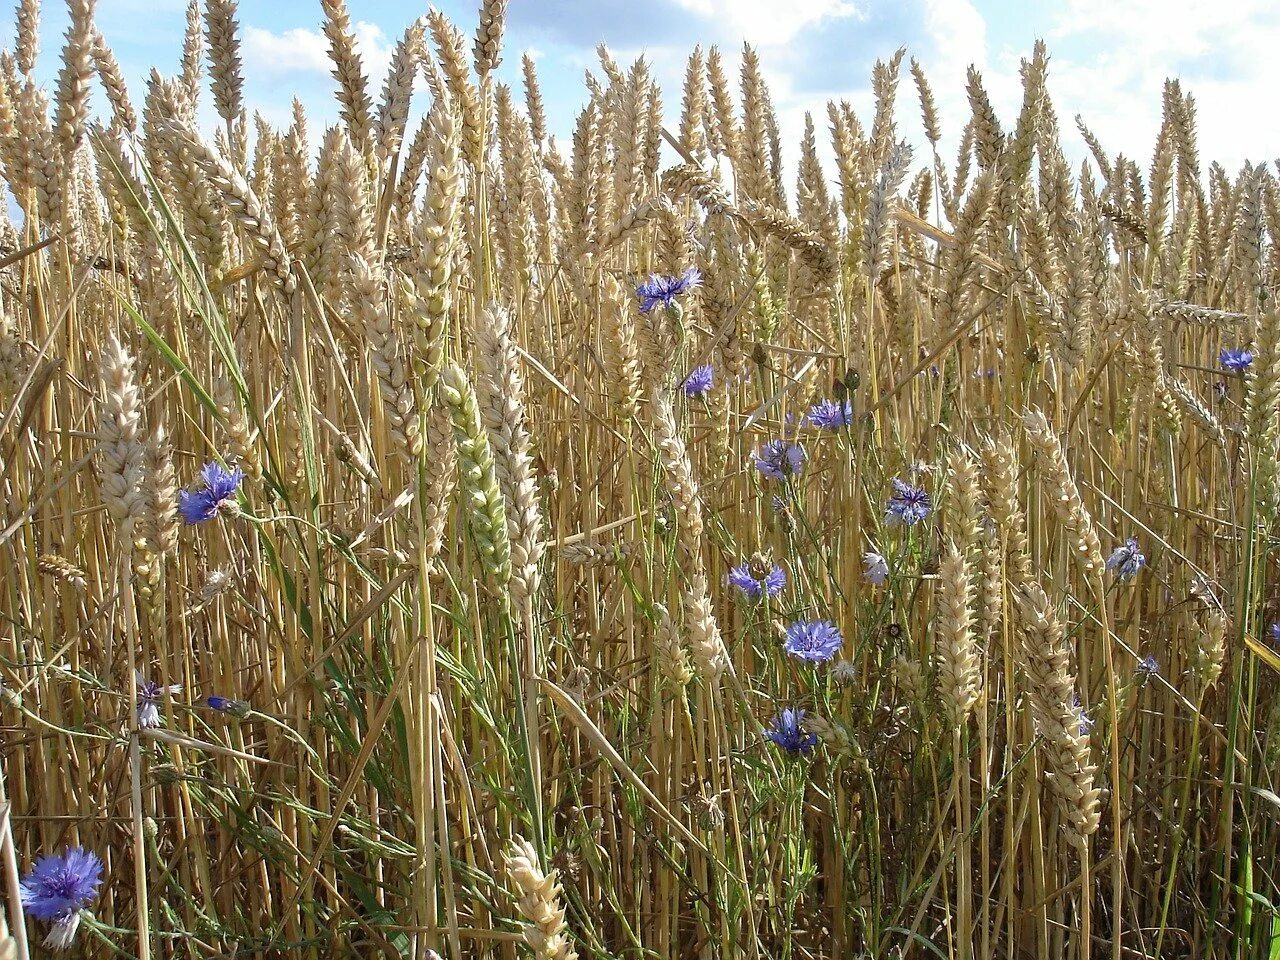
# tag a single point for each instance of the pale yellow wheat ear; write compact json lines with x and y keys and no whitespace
{"x":1063,"y":493}
{"x":393,"y":111}
{"x":488,"y":45}
{"x":1058,"y":715}
{"x":678,"y":477}
{"x":192,"y":54}
{"x":28,"y":39}
{"x":1001,"y":470}
{"x":928,"y":107}
{"x":451,"y":50}
{"x":160,"y":488}
{"x":442,"y":481}
{"x":62,"y":570}
{"x":353,"y":88}
{"x":501,"y":397}
{"x":669,"y":650}
{"x":477,"y":474}
{"x":250,"y":213}
{"x":121,"y":450}
{"x":538,"y":898}
{"x":722,"y":126}
{"x":221,"y":30}
{"x":386,"y":355}
{"x":113,"y":84}
{"x":955,"y":649}
{"x":430,"y":290}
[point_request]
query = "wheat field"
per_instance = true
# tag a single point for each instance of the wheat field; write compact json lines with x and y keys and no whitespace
{"x":421,"y":538}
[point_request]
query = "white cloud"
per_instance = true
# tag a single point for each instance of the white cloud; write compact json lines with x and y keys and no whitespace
{"x":296,"y":50}
{"x":304,"y":50}
{"x":1118,"y":62}
{"x":762,"y":24}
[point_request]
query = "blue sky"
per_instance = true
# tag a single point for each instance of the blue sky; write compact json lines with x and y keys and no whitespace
{"x":1109,"y":58}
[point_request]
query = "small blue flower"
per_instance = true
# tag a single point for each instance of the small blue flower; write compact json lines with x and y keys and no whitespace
{"x":1083,"y":719}
{"x":875,"y":568}
{"x":226,"y":705}
{"x":788,"y":732}
{"x":1126,"y":560}
{"x":58,"y":888}
{"x":664,"y":290}
{"x":814,"y":641}
{"x":1148,"y":667}
{"x":1236,"y":359}
{"x":779,"y":459}
{"x":700,"y":381}
{"x":831,"y":414}
{"x":908,"y":504}
{"x":754,"y":579}
{"x":217,"y":494}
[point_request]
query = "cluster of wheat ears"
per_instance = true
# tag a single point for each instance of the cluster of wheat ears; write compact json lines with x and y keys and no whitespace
{"x":494,"y":632}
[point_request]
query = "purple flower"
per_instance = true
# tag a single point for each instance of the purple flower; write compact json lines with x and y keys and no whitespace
{"x":226,"y":705}
{"x":58,"y":888}
{"x":814,"y":641}
{"x":1236,"y":359}
{"x":217,"y":494}
{"x":875,"y":568}
{"x":1126,"y":560}
{"x":779,"y":459}
{"x":756,"y":577}
{"x":149,"y":694}
{"x":700,"y":381}
{"x":831,"y":414}
{"x":664,"y":290}
{"x":788,"y":733}
{"x":908,"y":504}
{"x":1082,"y":717}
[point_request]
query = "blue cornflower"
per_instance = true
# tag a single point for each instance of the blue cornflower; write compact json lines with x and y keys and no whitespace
{"x":779,"y":459}
{"x":831,"y":414}
{"x":1236,"y":359}
{"x":217,"y":495}
{"x":875,"y":568}
{"x":149,"y":694}
{"x":58,"y":888}
{"x":226,"y":705}
{"x":756,"y":578}
{"x":908,"y":504}
{"x":814,"y":641}
{"x":788,"y":733}
{"x":1084,"y":720}
{"x":700,"y":381}
{"x":1126,"y":560}
{"x":664,"y":290}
